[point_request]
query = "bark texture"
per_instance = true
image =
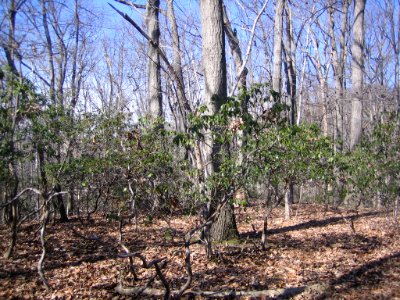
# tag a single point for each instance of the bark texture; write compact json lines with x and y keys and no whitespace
{"x":215,"y":92}
{"x":338,"y":56}
{"x":154,"y":69}
{"x":357,"y":72}
{"x":278,"y":33}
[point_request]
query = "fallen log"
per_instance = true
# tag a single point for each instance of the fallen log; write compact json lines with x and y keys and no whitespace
{"x":273,"y":293}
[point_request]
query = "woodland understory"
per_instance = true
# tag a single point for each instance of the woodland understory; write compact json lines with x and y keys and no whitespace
{"x":315,"y":255}
{"x":199,"y":149}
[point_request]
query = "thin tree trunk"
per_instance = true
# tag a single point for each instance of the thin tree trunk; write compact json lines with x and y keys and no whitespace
{"x":44,"y":220}
{"x":74,"y":84}
{"x":242,"y":81}
{"x":338,"y":72}
{"x":278,"y":35}
{"x":338,"y":69}
{"x":183,"y":106}
{"x":9,"y":50}
{"x":290,"y":54}
{"x":235,"y":50}
{"x":13,"y":230}
{"x":290,"y":62}
{"x":49,"y":48}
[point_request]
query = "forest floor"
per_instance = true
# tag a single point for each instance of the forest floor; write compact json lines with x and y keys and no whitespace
{"x":315,"y":247}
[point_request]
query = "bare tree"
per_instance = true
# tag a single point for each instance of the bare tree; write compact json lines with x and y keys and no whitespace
{"x":215,"y":93}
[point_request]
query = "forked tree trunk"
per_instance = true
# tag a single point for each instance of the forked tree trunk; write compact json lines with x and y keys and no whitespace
{"x":214,"y":61}
{"x":357,"y":73}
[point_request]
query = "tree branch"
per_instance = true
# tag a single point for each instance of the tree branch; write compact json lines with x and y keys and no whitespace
{"x":160,"y":52}
{"x":249,"y":46}
{"x":130,"y":3}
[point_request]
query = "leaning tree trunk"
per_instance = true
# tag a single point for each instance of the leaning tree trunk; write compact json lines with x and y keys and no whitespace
{"x":183,"y":106}
{"x":241,"y":77}
{"x":214,"y":62}
{"x":154,"y":67}
{"x":357,"y":73}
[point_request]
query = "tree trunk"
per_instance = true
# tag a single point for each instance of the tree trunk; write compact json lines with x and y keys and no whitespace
{"x":154,"y":68}
{"x":338,"y":73}
{"x":242,"y":80}
{"x":290,"y":55}
{"x":13,"y":231}
{"x":50,"y":54}
{"x":183,"y":106}
{"x":224,"y":228}
{"x":59,"y":204}
{"x":214,"y":61}
{"x":9,"y":50}
{"x":291,"y":82}
{"x":235,"y":50}
{"x":338,"y":69}
{"x":357,"y":73}
{"x":278,"y":34}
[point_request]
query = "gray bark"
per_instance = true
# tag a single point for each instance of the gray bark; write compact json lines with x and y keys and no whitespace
{"x":10,"y":51}
{"x":357,"y":73}
{"x":183,"y":106}
{"x":395,"y":43}
{"x":236,"y":51}
{"x":154,"y":68}
{"x":290,"y":55}
{"x":278,"y":34}
{"x":338,"y":56}
{"x":215,"y":92}
{"x":49,"y":49}
{"x":75,"y":84}
{"x":290,"y":70}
